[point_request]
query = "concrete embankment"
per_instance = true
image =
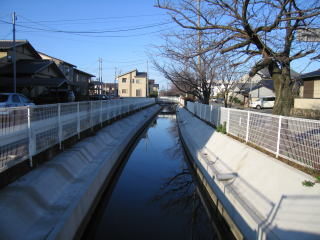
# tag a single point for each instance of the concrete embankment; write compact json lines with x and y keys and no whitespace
{"x":259,"y":196}
{"x":52,"y":201}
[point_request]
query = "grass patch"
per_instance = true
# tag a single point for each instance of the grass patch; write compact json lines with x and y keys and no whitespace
{"x":308,"y":183}
{"x":222,"y":128}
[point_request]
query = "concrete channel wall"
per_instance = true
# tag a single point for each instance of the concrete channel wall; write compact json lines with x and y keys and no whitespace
{"x":52,"y":201}
{"x":259,"y":196}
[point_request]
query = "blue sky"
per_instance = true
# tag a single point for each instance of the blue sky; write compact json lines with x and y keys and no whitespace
{"x":132,"y":27}
{"x":125,"y":50}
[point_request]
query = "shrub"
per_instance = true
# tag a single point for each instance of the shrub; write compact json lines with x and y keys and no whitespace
{"x":222,"y":128}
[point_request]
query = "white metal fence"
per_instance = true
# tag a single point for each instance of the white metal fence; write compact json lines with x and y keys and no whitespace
{"x":295,"y":139}
{"x":27,"y":131}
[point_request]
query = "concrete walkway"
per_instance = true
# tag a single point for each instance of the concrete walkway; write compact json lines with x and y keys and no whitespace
{"x":52,"y":201}
{"x":262,"y":196}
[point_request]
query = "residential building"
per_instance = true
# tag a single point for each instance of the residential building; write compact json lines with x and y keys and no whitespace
{"x":133,"y":84}
{"x":153,"y":87}
{"x":81,"y":80}
{"x":264,"y":88}
{"x":110,"y":89}
{"x":40,"y":76}
{"x":65,"y":67}
{"x":24,"y":50}
{"x":309,"y":91}
{"x":78,"y":79}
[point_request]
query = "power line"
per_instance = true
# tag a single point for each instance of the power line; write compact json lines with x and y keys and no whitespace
{"x":91,"y":31}
{"x":99,"y":18}
{"x":109,"y":36}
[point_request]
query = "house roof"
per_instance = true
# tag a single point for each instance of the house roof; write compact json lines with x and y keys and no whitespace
{"x":28,"y":81}
{"x":29,"y":67}
{"x":8,"y":44}
{"x":141,"y":74}
{"x":41,"y":53}
{"x":244,"y":86}
{"x":128,"y":72}
{"x":151,"y":81}
{"x":265,"y":73}
{"x":311,"y":75}
{"x":85,"y":73}
{"x":138,"y":74}
{"x":263,"y":83}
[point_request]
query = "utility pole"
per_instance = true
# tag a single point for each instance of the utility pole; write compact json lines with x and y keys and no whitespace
{"x":147,"y":94}
{"x":14,"y":53}
{"x":100,"y":76}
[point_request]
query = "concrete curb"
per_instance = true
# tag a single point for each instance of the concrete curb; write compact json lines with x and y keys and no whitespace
{"x":259,"y":194}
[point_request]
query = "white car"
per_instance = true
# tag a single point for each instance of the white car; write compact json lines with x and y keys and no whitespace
{"x":264,"y":102}
{"x":14,"y":100}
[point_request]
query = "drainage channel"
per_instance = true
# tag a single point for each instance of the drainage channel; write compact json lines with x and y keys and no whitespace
{"x":155,"y":194}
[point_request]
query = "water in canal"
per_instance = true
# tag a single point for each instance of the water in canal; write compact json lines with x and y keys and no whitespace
{"x":155,"y":195}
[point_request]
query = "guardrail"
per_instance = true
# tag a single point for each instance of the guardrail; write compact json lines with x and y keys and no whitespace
{"x":27,"y":131}
{"x":294,"y":139}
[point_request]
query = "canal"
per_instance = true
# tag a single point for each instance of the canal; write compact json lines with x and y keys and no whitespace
{"x":155,"y":194}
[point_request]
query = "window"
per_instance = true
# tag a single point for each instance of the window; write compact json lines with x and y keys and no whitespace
{"x":124,"y":90}
{"x":133,"y":80}
{"x":124,"y":80}
{"x":269,"y":99}
{"x":137,"y":80}
{"x":138,"y":92}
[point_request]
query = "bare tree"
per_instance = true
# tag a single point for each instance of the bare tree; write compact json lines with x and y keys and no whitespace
{"x":227,"y":79}
{"x":259,"y":32}
{"x":190,"y":72}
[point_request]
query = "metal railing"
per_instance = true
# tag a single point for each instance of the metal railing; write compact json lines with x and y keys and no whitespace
{"x":27,"y":131}
{"x":294,"y":139}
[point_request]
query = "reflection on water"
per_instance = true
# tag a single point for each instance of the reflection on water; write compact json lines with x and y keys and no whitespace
{"x":155,"y":196}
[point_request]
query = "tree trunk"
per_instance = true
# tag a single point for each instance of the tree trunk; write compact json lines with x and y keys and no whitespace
{"x":283,"y":86}
{"x":206,"y":97}
{"x":226,"y":95}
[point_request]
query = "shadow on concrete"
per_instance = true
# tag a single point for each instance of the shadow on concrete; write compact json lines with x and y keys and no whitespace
{"x":279,"y":220}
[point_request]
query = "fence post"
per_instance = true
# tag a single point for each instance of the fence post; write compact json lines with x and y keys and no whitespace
{"x":248,"y":126}
{"x":78,"y":119}
{"x":59,"y":126}
{"x":211,"y":111}
{"x":31,"y":142}
{"x":228,"y":120}
{"x":91,"y":118}
{"x":203,"y":111}
{"x":206,"y":112}
{"x":278,"y":138}
{"x":100,"y":113}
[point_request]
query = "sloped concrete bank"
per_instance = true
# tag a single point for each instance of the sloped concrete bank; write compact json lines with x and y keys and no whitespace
{"x":259,"y":196}
{"x":52,"y":201}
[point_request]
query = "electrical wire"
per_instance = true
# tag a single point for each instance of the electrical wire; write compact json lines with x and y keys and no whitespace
{"x":99,"y":18}
{"x":90,"y":31}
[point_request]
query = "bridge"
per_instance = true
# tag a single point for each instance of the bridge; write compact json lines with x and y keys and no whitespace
{"x":168,"y":100}
{"x":69,"y":153}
